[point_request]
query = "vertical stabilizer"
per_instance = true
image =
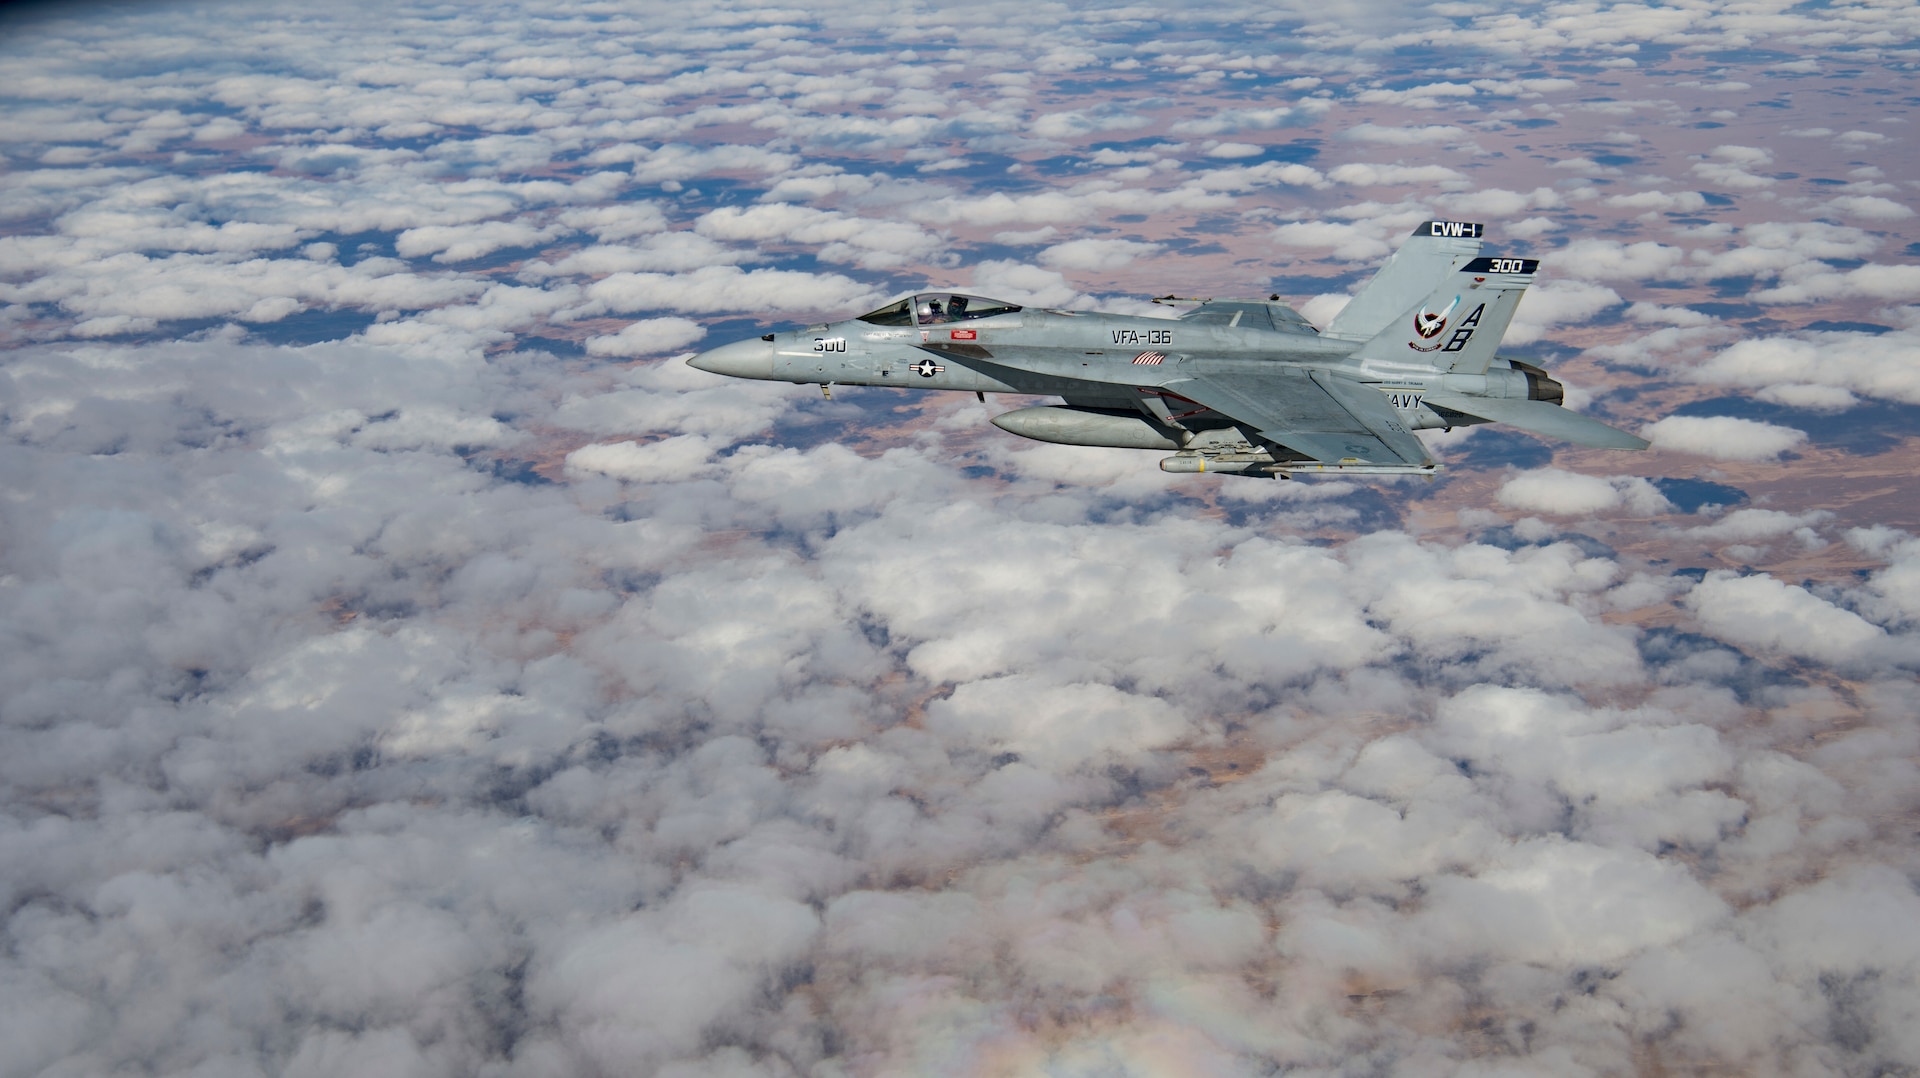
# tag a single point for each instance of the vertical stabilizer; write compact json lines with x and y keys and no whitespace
{"x":1460,"y":322}
{"x":1436,"y":250}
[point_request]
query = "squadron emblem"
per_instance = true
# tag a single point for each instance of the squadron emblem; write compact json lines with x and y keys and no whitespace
{"x":1429,"y":325}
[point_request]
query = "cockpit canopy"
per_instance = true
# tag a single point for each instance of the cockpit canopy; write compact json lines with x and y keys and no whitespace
{"x":933,"y":308}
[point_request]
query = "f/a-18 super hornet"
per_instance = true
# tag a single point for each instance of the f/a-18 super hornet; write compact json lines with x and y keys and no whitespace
{"x":1232,"y":386}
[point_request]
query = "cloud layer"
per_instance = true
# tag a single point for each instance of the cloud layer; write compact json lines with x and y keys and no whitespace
{"x":338,"y":739}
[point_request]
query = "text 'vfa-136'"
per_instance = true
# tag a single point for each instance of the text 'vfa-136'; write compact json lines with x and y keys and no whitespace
{"x":1232,"y":386}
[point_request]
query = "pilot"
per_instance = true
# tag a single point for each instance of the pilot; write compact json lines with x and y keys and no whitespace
{"x":930,"y":312}
{"x":956,"y":308}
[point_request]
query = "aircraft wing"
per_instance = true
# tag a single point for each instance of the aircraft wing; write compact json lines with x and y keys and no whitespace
{"x":1317,"y":413}
{"x":1540,"y":417}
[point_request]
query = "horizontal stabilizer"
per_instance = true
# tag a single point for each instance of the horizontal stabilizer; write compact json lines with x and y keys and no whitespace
{"x":1540,"y":417}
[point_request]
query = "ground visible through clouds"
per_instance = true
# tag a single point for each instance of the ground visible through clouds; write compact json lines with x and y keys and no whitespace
{"x":411,"y":668}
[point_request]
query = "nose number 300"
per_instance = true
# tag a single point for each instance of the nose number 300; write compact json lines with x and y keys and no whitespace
{"x":829,"y":344}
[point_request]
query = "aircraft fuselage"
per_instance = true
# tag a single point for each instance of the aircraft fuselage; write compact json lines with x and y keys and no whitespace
{"x":1230,"y":385}
{"x":1087,"y":357}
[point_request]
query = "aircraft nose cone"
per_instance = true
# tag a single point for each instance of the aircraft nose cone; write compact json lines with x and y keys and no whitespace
{"x":741,"y":359}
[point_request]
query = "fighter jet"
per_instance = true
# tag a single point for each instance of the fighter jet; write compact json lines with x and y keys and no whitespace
{"x":1240,"y":387}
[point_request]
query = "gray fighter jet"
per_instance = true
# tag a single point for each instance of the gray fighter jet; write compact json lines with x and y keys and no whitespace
{"x":1231,"y":386}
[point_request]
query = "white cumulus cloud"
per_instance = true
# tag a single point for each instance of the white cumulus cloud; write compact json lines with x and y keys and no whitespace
{"x":1723,"y":437}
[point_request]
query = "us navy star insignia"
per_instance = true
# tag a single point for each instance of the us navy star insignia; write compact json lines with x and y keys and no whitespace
{"x":927,"y":368}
